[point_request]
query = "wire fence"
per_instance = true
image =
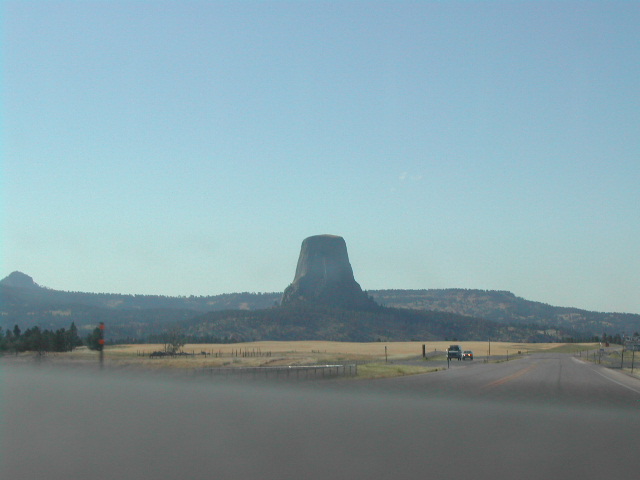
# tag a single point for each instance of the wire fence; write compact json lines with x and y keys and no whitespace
{"x":614,"y":358}
{"x":235,"y":352}
{"x":291,"y":372}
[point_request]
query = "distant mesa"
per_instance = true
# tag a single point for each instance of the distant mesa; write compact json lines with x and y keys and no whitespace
{"x":18,"y":280}
{"x":324,"y":275}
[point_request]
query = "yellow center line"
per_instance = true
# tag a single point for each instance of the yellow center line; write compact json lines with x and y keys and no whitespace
{"x":513,"y":376}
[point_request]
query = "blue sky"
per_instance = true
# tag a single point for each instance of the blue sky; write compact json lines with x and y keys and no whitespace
{"x":183,"y":148}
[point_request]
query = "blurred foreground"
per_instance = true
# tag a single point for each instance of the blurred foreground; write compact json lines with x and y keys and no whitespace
{"x":82,"y":423}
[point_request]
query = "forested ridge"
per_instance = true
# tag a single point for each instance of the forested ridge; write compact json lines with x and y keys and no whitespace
{"x":318,"y":322}
{"x":449,"y":312}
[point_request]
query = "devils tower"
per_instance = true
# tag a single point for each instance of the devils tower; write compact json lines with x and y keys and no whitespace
{"x":324,"y":275}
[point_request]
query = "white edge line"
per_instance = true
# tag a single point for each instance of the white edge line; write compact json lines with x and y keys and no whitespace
{"x":611,"y":379}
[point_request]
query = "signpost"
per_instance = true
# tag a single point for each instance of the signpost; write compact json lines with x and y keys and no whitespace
{"x":101,"y":343}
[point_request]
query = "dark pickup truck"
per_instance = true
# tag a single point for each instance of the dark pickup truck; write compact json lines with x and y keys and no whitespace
{"x":454,"y":351}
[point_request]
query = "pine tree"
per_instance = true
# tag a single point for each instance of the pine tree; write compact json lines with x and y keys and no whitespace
{"x":72,"y":338}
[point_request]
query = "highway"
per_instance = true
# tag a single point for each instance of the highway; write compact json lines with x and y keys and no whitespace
{"x":547,"y":379}
{"x":544,"y":416}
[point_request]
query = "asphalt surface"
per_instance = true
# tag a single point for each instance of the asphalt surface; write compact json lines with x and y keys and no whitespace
{"x":547,"y":378}
{"x":544,"y":416}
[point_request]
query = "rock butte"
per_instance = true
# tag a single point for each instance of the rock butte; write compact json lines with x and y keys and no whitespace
{"x":324,"y":275}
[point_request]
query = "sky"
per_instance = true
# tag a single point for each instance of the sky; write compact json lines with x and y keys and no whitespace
{"x":187,"y":148}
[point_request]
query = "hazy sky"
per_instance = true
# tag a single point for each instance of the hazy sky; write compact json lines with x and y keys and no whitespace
{"x":186,"y":148}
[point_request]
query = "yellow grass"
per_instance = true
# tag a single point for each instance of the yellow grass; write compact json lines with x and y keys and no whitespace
{"x":373,"y":349}
{"x":383,"y":370}
{"x":269,"y":353}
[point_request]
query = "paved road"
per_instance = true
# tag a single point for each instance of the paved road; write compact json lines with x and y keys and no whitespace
{"x":537,"y":418}
{"x":554,"y":379}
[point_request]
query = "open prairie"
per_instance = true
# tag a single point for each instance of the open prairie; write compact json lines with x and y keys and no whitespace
{"x":377,"y":358}
{"x":372,"y":350}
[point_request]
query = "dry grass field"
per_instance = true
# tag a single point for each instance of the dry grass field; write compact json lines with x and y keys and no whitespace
{"x":368,"y":350}
{"x":399,"y":358}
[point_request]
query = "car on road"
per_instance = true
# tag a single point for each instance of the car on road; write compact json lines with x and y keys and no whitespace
{"x":454,"y":351}
{"x":467,"y":355}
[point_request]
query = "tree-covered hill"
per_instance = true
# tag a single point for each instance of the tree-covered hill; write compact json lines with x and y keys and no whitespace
{"x":505,"y":307}
{"x":25,"y":303}
{"x":16,"y":290}
{"x":317,"y":322}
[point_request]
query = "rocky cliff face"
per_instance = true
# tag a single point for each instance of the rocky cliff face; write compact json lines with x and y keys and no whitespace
{"x":324,"y":275}
{"x":18,"y":280}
